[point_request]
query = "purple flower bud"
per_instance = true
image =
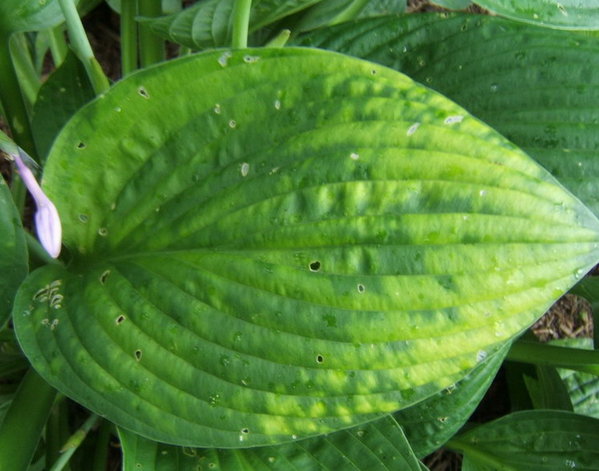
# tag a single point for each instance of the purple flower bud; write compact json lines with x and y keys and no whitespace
{"x":47,"y":221}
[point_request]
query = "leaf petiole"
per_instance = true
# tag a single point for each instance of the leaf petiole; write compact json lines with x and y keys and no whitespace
{"x":241,"y":23}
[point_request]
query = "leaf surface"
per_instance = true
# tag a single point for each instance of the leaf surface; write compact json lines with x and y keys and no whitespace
{"x":430,"y":423}
{"x":563,"y":14}
{"x":13,"y":251}
{"x":536,"y":440}
{"x":538,"y":87}
{"x":376,"y":446}
{"x":28,"y":15}
{"x":286,"y":254}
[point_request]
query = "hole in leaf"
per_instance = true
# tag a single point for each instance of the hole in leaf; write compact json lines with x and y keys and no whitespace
{"x":119,"y":320}
{"x":143,"y":92}
{"x":319,"y":358}
{"x":315,"y":265}
{"x":138,"y":354}
{"x":245,"y":430}
{"x":103,"y":231}
{"x":104,"y":276}
{"x":361,"y":288}
{"x":81,"y":145}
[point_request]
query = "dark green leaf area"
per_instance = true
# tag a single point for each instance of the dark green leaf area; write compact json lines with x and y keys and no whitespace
{"x":13,"y":252}
{"x":537,"y":87}
{"x":430,"y":423}
{"x":61,"y":95}
{"x":377,"y":446}
{"x":284,"y":253}
{"x":533,"y":440}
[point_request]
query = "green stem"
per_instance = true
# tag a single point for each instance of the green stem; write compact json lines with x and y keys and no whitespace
{"x":29,"y":81}
{"x":56,"y":429}
{"x":102,"y":446}
{"x":241,"y":23}
{"x":151,"y":46}
{"x":70,"y":447}
{"x":479,"y":456}
{"x":562,"y":357}
{"x":128,"y":36}
{"x":24,"y":422}
{"x":12,"y":100}
{"x":82,"y":48}
{"x":58,"y":45}
{"x":350,"y":12}
{"x":280,"y":39}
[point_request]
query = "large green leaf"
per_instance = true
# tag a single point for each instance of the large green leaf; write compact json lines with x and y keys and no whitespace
{"x":268,"y":254}
{"x":208,"y":24}
{"x":377,"y":446}
{"x":430,"y":423}
{"x":28,"y":15}
{"x":539,"y":440}
{"x":13,"y":252}
{"x":538,"y":87}
{"x":564,"y":14}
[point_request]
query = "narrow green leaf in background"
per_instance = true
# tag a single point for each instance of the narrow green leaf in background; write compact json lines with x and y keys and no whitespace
{"x":13,"y":252}
{"x":538,"y":87}
{"x":563,"y":14}
{"x":430,"y":423}
{"x":539,"y":440}
{"x":547,"y":390}
{"x":269,"y":255}
{"x":61,"y":95}
{"x":377,"y":446}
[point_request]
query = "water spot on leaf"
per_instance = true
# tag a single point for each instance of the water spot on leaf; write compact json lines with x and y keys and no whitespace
{"x":412,"y":129}
{"x":360,"y":433}
{"x":481,"y":355}
{"x":453,"y":119}
{"x":482,"y":192}
{"x":314,"y":266}
{"x":232,"y":124}
{"x":354,"y":156}
{"x":223,"y":60}
{"x":138,"y":354}
{"x":143,"y":92}
{"x":245,"y":169}
{"x":277,"y":104}
{"x":494,"y":87}
{"x":271,"y":459}
{"x":225,"y":360}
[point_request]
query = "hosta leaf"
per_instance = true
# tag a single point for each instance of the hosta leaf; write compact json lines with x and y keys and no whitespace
{"x":540,"y":440}
{"x":377,"y":446}
{"x":13,"y":252}
{"x":208,"y":24}
{"x":61,"y":95}
{"x":28,"y":15}
{"x":430,"y":423}
{"x":287,"y":254}
{"x":453,"y":4}
{"x":565,"y":14}
{"x":336,"y":11}
{"x":538,"y":87}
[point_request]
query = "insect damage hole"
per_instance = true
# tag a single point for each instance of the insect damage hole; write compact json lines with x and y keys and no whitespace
{"x":118,"y":321}
{"x":138,"y":354}
{"x":104,"y":276}
{"x":361,"y":288}
{"x":319,"y":358}
{"x":143,"y":92}
{"x":314,"y":266}
{"x":80,"y":145}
